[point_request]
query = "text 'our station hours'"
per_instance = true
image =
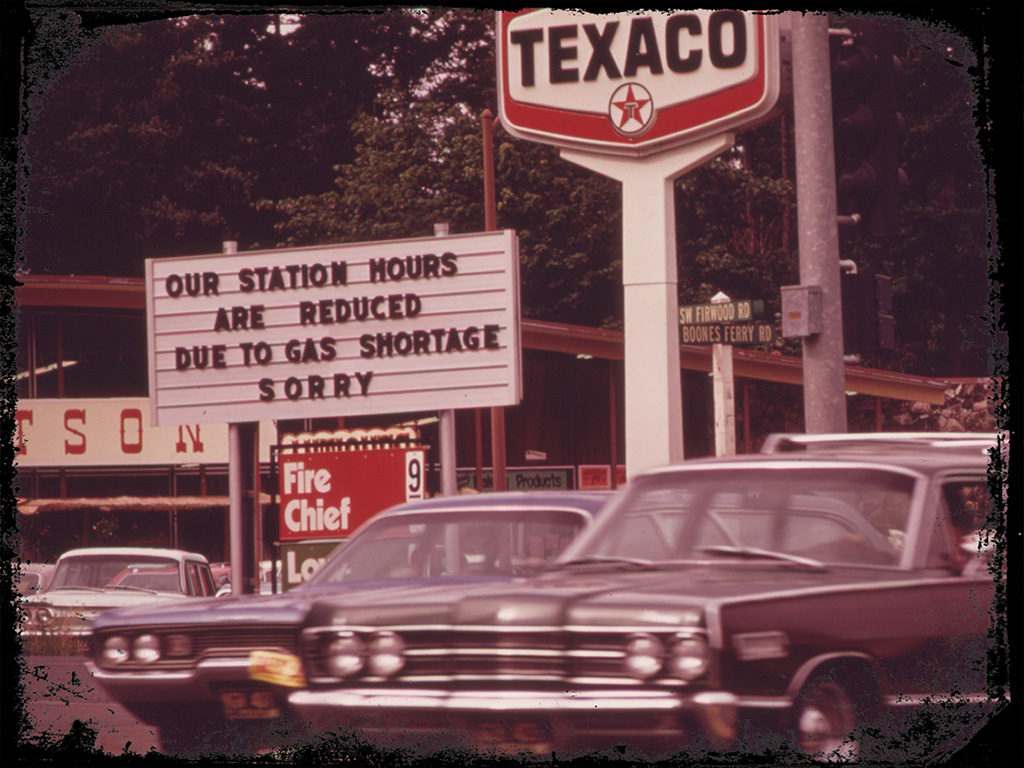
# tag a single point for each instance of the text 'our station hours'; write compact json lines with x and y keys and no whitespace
{"x":381,"y":306}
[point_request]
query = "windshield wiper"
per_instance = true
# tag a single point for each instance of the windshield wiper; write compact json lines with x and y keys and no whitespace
{"x":134,"y":588}
{"x":721,"y":549}
{"x":630,"y":562}
{"x":74,"y":586}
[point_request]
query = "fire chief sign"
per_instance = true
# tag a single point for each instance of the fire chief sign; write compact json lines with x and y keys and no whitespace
{"x":634,"y":83}
{"x":328,"y":494}
{"x":352,"y":329}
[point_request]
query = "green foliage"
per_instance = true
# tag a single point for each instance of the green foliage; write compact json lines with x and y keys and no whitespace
{"x":163,"y":138}
{"x":168,"y":137}
{"x":735,"y":222}
{"x":421,"y":163}
{"x":939,"y":260}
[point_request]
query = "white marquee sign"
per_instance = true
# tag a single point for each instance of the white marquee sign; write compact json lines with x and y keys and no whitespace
{"x":351,"y":329}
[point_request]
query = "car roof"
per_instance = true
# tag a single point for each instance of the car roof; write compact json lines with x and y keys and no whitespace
{"x":923,"y":460}
{"x":588,"y":502}
{"x":781,"y":442}
{"x":177,"y":554}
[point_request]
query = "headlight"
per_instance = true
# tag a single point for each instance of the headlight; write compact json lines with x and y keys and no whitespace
{"x":644,"y":655}
{"x":386,"y":654}
{"x":688,"y":657}
{"x":115,"y":650}
{"x":43,"y":616}
{"x":346,"y":655}
{"x":146,"y":648}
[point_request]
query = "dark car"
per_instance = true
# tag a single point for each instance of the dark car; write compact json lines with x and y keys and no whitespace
{"x":213,"y":675}
{"x":713,"y":602}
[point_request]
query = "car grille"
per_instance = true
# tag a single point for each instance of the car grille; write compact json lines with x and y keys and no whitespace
{"x":495,"y":654}
{"x":204,"y":643}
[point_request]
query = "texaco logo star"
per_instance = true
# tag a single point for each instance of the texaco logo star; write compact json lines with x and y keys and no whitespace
{"x":631,"y":109}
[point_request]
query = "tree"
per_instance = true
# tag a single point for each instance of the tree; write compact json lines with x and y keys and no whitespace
{"x":168,"y":136}
{"x":939,"y":259}
{"x":419,"y":163}
{"x":161,"y":140}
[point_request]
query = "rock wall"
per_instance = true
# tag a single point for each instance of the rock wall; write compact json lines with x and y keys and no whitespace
{"x":968,"y":408}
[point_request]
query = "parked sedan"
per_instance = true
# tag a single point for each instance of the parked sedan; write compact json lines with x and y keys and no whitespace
{"x":811,"y":595}
{"x":214,"y":676}
{"x":90,"y":580}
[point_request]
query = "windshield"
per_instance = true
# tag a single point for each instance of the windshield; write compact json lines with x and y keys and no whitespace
{"x":101,"y":571}
{"x":30,"y":582}
{"x":453,"y":544}
{"x":826,"y":515}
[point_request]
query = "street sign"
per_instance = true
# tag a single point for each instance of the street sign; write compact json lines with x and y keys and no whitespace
{"x":634,"y":83}
{"x":725,"y":312}
{"x":737,"y":334}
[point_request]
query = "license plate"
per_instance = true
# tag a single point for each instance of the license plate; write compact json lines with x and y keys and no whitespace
{"x":249,"y":705}
{"x":276,"y":668}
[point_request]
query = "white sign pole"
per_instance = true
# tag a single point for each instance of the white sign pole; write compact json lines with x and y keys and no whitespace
{"x":241,"y":443}
{"x":724,"y":392}
{"x":653,"y":392}
{"x":446,"y":422}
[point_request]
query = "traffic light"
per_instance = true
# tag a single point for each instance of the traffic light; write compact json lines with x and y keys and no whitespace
{"x":868,"y":128}
{"x":868,"y":325}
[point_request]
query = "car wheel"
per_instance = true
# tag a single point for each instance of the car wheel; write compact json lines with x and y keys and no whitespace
{"x":826,"y":717}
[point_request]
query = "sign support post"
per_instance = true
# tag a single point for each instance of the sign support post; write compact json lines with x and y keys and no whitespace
{"x":653,"y":385}
{"x":243,"y":490}
{"x":446,"y":421}
{"x":724,"y":393}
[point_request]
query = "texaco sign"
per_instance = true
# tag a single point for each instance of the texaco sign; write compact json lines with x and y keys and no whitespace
{"x":634,"y":83}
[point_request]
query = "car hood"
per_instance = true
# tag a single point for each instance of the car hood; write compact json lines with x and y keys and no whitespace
{"x":587,"y":598}
{"x":286,"y":608}
{"x":75,"y":599}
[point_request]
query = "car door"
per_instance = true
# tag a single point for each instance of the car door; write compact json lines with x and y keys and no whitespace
{"x":961,"y":596}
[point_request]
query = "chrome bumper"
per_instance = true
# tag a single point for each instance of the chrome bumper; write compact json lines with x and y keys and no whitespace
{"x":507,"y":701}
{"x":568,"y":715}
{"x":194,"y":684}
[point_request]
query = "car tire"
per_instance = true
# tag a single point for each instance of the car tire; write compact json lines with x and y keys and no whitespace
{"x":826,"y":722}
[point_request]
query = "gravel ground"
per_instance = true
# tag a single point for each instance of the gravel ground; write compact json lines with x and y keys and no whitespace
{"x":60,"y":690}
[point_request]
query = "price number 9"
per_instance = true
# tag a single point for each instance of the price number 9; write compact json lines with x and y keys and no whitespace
{"x":414,"y":481}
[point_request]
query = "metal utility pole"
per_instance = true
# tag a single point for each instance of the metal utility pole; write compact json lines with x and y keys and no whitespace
{"x":823,"y":371}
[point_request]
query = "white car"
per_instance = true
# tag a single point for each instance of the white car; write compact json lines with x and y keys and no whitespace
{"x":94,"y":579}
